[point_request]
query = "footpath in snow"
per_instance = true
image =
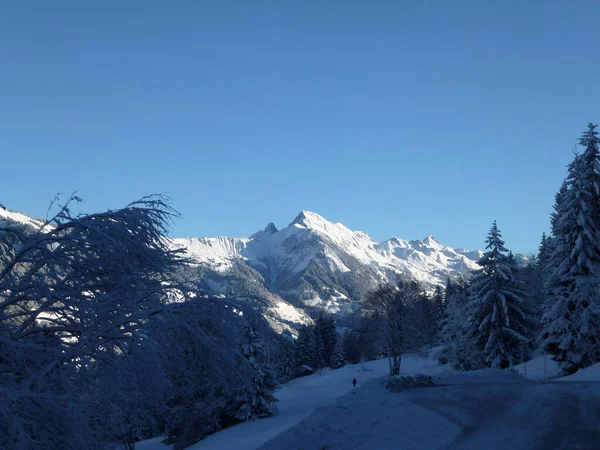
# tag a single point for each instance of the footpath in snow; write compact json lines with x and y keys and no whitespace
{"x":298,"y":399}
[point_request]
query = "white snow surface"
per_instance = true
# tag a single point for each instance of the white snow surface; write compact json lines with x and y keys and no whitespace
{"x":298,"y":399}
{"x":493,"y":411}
{"x":8,"y":216}
{"x":591,"y":373}
{"x":534,"y":369}
{"x":485,"y":409}
{"x":290,"y":313}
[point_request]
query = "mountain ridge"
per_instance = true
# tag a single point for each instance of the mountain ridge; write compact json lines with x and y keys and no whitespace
{"x":316,"y":262}
{"x":313,"y":262}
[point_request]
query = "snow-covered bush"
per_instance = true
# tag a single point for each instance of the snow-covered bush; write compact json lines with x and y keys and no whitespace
{"x":399,"y":384}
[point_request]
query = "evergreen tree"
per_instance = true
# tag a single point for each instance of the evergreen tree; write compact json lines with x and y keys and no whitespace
{"x":437,"y":305}
{"x":256,"y":400}
{"x":306,"y":347}
{"x":326,"y":330}
{"x":455,"y":333}
{"x":571,"y":312}
{"x":536,"y":275}
{"x":338,"y":358}
{"x":495,"y":303}
{"x":318,"y":356}
{"x":543,"y":257}
{"x":426,"y":313}
{"x":285,"y":360}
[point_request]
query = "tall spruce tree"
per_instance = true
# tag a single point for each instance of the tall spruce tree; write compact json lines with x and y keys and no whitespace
{"x":455,"y":335}
{"x":571,"y":313}
{"x":285,"y":360}
{"x":257,"y":399}
{"x":542,"y":259}
{"x":306,"y":348}
{"x":338,"y":358}
{"x":500,"y":324}
{"x":326,"y":337}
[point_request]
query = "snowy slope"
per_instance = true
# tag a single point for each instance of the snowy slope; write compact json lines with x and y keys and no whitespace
{"x":480,"y":409}
{"x":319,"y":263}
{"x":540,"y":368}
{"x":8,"y":217}
{"x":298,"y":399}
{"x":492,"y":411}
{"x":591,"y":373}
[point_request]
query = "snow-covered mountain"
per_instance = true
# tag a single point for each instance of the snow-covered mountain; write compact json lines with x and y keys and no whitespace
{"x":310,"y":263}
{"x":314,"y":262}
{"x":240,"y":281}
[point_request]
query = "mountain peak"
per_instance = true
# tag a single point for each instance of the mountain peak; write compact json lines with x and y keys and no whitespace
{"x":309,"y":219}
{"x":271,"y":228}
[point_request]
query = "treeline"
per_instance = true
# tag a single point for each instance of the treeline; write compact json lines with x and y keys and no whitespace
{"x":317,"y":346}
{"x":505,"y":314}
{"x":392,"y":320}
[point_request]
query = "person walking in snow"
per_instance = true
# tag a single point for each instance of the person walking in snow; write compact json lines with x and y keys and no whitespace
{"x":354,"y":382}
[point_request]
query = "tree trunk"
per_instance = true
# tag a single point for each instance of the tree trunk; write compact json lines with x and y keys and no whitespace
{"x":396,"y":368}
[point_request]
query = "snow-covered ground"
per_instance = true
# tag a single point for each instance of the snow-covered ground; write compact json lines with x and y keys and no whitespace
{"x":488,"y":409}
{"x":591,"y":373}
{"x":298,"y":399}
{"x":539,"y":368}
{"x":507,"y":413}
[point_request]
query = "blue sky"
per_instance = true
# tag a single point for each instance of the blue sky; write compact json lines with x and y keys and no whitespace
{"x":398,"y":118}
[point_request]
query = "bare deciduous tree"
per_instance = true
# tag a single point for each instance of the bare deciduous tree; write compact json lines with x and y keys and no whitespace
{"x":391,"y":310}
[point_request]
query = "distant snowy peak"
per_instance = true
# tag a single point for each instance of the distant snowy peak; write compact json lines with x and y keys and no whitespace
{"x":316,"y":223}
{"x":320,"y":263}
{"x":268,"y":231}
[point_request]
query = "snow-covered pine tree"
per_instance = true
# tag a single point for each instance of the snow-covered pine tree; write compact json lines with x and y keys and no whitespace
{"x":537,"y":275}
{"x":257,"y":399}
{"x":285,"y":361}
{"x":437,"y":313}
{"x":325,"y":328}
{"x":455,"y":334}
{"x":425,"y":316}
{"x":319,"y":360}
{"x":571,"y":312}
{"x":501,"y":326}
{"x":338,"y":358}
{"x":306,"y":347}
{"x":543,"y":257}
